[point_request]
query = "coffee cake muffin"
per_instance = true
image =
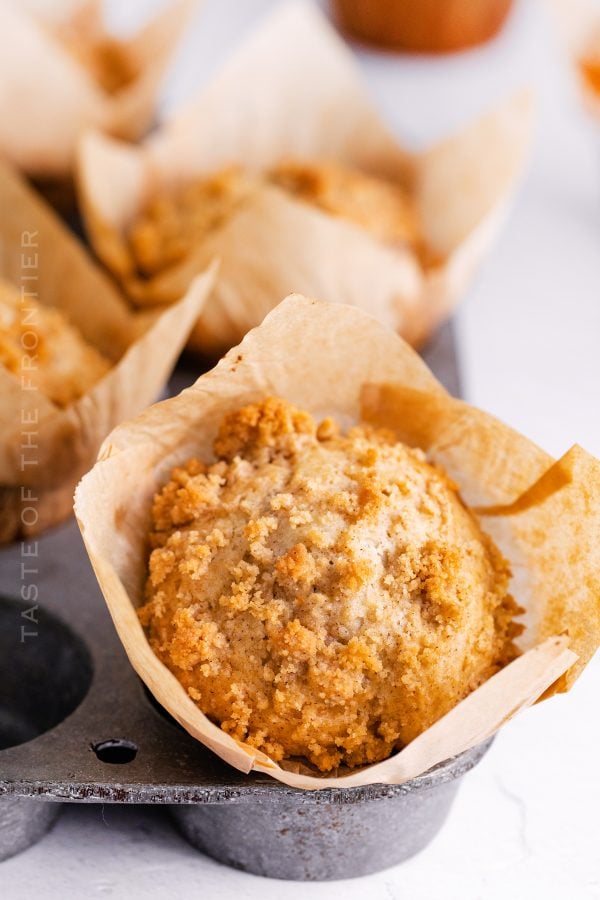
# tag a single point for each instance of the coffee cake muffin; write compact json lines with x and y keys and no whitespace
{"x":322,"y":595}
{"x":42,"y":348}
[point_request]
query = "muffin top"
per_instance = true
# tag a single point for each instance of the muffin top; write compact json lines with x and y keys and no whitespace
{"x":319,"y":594}
{"x":40,"y":347}
{"x":172,"y":223}
{"x":381,"y":207}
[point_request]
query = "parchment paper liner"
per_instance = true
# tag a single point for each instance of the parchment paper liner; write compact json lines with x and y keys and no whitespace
{"x":340,"y":361}
{"x":293,"y":89}
{"x":47,"y":97}
{"x":143,"y":346}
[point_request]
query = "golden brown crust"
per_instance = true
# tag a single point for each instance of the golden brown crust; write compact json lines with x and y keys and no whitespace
{"x":39,"y":346}
{"x":322,"y":595}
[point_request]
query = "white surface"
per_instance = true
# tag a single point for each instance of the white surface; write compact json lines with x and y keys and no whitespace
{"x":526,"y":822}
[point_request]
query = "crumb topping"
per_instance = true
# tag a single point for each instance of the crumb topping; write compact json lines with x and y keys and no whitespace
{"x":41,"y":348}
{"x":380,"y":207}
{"x":172,"y":223}
{"x":319,"y":594}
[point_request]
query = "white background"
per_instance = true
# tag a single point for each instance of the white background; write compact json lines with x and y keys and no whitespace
{"x":526,"y":820}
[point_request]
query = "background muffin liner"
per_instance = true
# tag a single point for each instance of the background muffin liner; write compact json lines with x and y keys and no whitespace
{"x":338,"y":361}
{"x":293,"y":89}
{"x":39,"y":255}
{"x":47,"y":96}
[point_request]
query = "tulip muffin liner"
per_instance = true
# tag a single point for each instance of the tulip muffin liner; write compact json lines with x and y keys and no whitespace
{"x":293,"y":90}
{"x":48,"y":92}
{"x":45,"y":449}
{"x":335,"y":360}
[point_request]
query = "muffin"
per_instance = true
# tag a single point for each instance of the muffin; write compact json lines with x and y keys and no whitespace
{"x":423,"y":25}
{"x":328,"y":202}
{"x":210,"y":553}
{"x":319,"y":594}
{"x":172,"y":223}
{"x":61,"y":364}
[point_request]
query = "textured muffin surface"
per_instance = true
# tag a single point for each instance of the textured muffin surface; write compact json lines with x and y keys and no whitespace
{"x":44,"y":350}
{"x":173,"y":223}
{"x":322,"y":595}
{"x":382,"y":208}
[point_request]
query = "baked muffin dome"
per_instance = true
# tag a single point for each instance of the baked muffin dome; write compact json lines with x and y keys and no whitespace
{"x":322,"y":595}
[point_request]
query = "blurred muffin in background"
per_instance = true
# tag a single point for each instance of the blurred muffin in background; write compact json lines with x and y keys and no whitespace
{"x":422,"y":26}
{"x":587,"y":57}
{"x":590,"y":71}
{"x":61,"y":363}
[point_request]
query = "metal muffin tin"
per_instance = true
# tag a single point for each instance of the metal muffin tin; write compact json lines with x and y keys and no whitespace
{"x":77,"y":725}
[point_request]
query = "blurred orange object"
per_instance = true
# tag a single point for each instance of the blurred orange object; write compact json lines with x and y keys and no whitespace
{"x":426,"y":26}
{"x":590,"y":70}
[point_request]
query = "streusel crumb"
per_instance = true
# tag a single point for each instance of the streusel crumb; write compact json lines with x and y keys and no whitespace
{"x":40,"y":347}
{"x":173,"y":223}
{"x":382,"y":208}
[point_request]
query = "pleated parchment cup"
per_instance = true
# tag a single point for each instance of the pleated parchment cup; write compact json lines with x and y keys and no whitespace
{"x":44,"y":449}
{"x":293,"y":90}
{"x":338,"y":361}
{"x":60,"y":76}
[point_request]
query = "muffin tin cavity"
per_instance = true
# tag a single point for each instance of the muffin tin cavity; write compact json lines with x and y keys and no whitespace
{"x":327,"y":835}
{"x":45,"y":672}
